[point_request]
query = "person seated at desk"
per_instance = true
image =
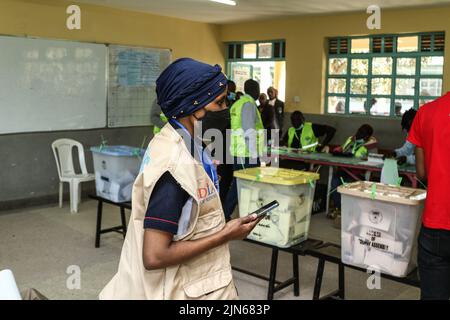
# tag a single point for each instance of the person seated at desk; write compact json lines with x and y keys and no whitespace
{"x":406,"y":154}
{"x":357,"y":146}
{"x":303,"y":133}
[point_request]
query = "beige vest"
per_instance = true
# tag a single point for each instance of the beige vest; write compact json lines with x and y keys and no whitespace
{"x":207,"y":276}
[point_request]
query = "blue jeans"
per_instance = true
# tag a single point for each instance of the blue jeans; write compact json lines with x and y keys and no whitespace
{"x":231,"y":199}
{"x":434,"y":264}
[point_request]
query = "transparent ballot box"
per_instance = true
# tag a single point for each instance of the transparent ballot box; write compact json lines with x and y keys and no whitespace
{"x":116,"y":168}
{"x":379,"y":226}
{"x":288,"y":224}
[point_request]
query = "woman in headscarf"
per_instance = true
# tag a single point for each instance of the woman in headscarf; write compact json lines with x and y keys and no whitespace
{"x":176,"y":243}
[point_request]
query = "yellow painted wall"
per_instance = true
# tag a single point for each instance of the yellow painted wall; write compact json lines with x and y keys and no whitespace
{"x":306,"y":40}
{"x":305,"y":36}
{"x":47,"y":19}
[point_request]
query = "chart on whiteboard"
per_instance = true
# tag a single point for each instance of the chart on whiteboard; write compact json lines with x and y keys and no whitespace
{"x":132,"y":82}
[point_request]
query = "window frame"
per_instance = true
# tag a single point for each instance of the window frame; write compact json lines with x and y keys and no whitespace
{"x":417,"y":97}
{"x":282,"y":57}
{"x":229,"y":61}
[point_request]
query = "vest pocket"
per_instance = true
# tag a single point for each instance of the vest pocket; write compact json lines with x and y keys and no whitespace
{"x":208,"y":224}
{"x":209,"y":284}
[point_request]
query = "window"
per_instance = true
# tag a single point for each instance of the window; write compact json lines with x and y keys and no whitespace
{"x":383,"y":75}
{"x":265,"y":50}
{"x":263,"y":61}
{"x":256,"y":50}
{"x":250,"y":51}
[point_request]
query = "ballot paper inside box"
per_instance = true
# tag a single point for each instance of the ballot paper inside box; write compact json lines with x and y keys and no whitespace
{"x":380,"y":225}
{"x":116,"y":168}
{"x":288,"y":224}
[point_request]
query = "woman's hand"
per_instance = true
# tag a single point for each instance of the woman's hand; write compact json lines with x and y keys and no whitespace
{"x":238,"y":229}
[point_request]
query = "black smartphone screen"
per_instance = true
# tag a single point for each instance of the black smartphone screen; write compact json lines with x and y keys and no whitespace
{"x":266,"y":209}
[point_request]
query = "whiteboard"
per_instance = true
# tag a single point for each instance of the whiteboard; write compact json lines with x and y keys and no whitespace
{"x":132,"y":78}
{"x":48,"y":85}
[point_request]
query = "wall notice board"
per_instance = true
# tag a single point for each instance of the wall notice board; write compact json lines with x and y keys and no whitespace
{"x":132,"y":82}
{"x":48,"y":85}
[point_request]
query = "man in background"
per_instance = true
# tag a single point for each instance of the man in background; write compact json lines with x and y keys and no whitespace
{"x":247,"y":138}
{"x":231,"y":93}
{"x":278,"y":107}
{"x":405,"y":154}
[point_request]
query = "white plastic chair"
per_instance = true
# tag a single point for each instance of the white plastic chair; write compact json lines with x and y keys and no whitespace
{"x":62,"y":150}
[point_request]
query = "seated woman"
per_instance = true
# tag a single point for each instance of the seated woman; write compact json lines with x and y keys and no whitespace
{"x":359,"y":144}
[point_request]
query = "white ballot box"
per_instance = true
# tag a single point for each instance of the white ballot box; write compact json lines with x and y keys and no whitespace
{"x":288,"y":224}
{"x":380,"y":224}
{"x":116,"y":168}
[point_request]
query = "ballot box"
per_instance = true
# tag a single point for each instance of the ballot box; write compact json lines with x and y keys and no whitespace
{"x":379,"y":226}
{"x":288,"y":224}
{"x":116,"y":168}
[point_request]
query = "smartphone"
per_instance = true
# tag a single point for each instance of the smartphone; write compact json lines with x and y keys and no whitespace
{"x":264,"y":210}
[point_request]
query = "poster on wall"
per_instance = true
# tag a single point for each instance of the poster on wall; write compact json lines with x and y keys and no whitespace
{"x":240,"y":73}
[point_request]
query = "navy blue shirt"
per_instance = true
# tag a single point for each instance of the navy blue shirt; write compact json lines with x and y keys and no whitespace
{"x":165,"y":205}
{"x":168,"y":198}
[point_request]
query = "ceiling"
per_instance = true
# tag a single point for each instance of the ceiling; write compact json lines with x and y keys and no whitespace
{"x":245,"y":10}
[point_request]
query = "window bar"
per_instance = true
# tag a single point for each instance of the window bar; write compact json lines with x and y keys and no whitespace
{"x":417,"y":82}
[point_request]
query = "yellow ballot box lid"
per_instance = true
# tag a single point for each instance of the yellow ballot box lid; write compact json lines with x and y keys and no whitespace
{"x":281,"y":176}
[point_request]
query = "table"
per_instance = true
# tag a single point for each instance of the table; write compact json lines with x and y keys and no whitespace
{"x":330,"y":252}
{"x":119,"y":229}
{"x":324,"y":252}
{"x":345,"y":163}
{"x":275,"y":285}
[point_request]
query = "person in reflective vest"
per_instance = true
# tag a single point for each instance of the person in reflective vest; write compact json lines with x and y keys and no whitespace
{"x":247,"y":138}
{"x":305,"y":135}
{"x":359,"y":144}
{"x":356,"y":146}
{"x":157,"y":117}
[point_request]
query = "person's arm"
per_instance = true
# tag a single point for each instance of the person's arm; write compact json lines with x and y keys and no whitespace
{"x":284,"y":140}
{"x":160,"y":251}
{"x":406,"y":153}
{"x":325,"y":131}
{"x":405,"y":150}
{"x":155,"y":115}
{"x":280,"y":116}
{"x":415,"y":138}
{"x":420,"y":164}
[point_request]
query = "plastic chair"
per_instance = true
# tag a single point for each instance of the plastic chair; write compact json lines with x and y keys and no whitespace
{"x":62,"y":150}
